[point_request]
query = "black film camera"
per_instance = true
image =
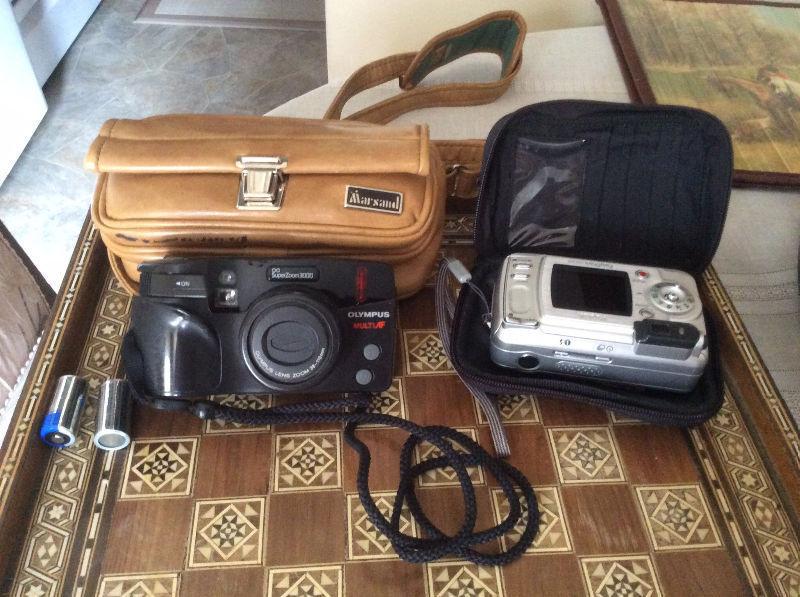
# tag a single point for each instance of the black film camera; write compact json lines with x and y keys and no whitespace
{"x":236,"y":326}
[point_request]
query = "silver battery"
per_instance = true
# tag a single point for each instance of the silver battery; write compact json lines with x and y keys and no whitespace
{"x":113,"y":415}
{"x":60,"y":426}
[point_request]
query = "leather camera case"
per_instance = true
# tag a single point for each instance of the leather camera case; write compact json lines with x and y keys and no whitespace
{"x":173,"y":186}
{"x":654,"y":191}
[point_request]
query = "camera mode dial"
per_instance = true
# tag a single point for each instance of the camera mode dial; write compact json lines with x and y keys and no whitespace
{"x":670,"y":297}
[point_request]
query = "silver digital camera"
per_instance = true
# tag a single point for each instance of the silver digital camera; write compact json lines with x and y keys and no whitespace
{"x":624,"y":323}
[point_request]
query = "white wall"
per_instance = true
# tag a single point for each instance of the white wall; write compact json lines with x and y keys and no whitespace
{"x":359,"y":31}
{"x":22,"y":104}
{"x":49,"y":27}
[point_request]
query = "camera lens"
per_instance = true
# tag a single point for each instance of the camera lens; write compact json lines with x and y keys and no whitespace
{"x":290,"y":339}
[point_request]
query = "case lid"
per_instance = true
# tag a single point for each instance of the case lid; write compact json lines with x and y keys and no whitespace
{"x":635,"y":184}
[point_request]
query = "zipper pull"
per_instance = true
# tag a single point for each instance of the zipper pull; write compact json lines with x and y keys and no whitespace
{"x":462,"y":275}
{"x":459,"y":271}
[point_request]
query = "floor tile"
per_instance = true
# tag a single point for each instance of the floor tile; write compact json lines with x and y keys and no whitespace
{"x":159,"y":469}
{"x":603,"y":519}
{"x":390,"y":402}
{"x":152,"y":585}
{"x":424,"y":353}
{"x":620,"y":575}
{"x":446,"y":579}
{"x":316,"y":581}
{"x":234,"y":465}
{"x":301,"y":541}
{"x":444,"y":477}
{"x":677,"y":517}
{"x":152,"y":551}
{"x":247,"y":401}
{"x":553,"y":533}
{"x":364,"y":540}
{"x":384,"y":578}
{"x":307,"y":462}
{"x":229,"y":581}
{"x":227,"y":533}
{"x":515,"y":409}
{"x":585,"y":455}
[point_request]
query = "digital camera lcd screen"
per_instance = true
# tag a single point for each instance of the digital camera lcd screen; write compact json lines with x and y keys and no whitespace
{"x":591,"y":289}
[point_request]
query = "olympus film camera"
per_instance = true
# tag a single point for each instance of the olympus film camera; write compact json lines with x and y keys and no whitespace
{"x":237,"y":326}
{"x":623,"y":323}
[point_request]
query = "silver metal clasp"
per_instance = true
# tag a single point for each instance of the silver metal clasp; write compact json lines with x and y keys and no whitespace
{"x":263,"y":182}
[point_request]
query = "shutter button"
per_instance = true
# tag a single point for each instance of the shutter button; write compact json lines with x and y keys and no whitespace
{"x":227,"y":277}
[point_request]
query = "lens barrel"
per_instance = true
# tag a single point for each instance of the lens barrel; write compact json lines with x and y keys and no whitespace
{"x":290,"y":339}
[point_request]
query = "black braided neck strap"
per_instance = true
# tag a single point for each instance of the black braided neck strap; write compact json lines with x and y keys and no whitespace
{"x":457,"y":450}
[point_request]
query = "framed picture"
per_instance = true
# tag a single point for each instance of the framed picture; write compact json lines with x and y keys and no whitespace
{"x":739,"y":61}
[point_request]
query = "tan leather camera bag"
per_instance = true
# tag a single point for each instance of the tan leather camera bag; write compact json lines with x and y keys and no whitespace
{"x":211,"y":185}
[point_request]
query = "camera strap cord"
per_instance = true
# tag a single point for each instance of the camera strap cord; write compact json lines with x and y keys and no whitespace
{"x":458,"y":452}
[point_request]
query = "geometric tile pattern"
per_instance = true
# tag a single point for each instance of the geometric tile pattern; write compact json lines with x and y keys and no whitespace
{"x":424,"y":353}
{"x":141,"y":585}
{"x":458,"y":227}
{"x":159,"y":468}
{"x":620,"y":575}
{"x":585,"y":455}
{"x":227,"y":533}
{"x":775,"y":534}
{"x":444,"y":477}
{"x":364,"y":541}
{"x":462,"y":579}
{"x":619,"y":419}
{"x":306,"y":581}
{"x":247,"y":401}
{"x":307,"y":461}
{"x":50,"y":538}
{"x":390,"y":402}
{"x":677,"y":517}
{"x":515,"y":409}
{"x":553,"y":534}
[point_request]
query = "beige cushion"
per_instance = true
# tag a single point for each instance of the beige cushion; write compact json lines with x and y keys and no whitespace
{"x":24,"y":307}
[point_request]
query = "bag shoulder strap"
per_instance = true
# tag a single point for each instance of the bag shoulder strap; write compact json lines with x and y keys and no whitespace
{"x":501,"y":33}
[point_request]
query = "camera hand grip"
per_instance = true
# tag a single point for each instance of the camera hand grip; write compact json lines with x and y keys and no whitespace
{"x":180,"y":352}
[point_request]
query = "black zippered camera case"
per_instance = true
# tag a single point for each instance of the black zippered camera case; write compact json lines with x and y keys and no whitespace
{"x":655,"y":188}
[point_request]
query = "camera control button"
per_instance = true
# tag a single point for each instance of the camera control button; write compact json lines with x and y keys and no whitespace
{"x":372,"y":352}
{"x":646,"y":313}
{"x":642,"y":274}
{"x":364,"y":377}
{"x":174,"y":285}
{"x":520,"y":276}
{"x":227,"y":277}
{"x":226,"y":298}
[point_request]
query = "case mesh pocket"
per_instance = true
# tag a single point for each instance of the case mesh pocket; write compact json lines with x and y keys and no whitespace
{"x":547,"y":184}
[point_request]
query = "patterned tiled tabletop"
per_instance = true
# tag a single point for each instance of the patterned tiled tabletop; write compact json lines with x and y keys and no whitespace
{"x":210,"y":508}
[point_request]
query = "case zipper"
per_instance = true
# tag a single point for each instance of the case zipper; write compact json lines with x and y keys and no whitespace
{"x":554,"y":389}
{"x":637,"y":412}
